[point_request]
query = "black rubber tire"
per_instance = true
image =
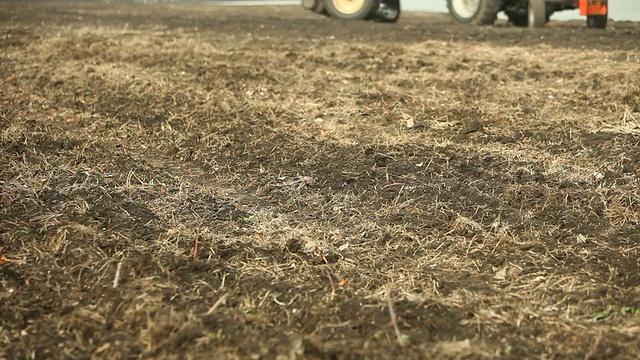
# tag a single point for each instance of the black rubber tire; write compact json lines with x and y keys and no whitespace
{"x":536,"y":13}
{"x":351,"y":9}
{"x":485,"y":13}
{"x":520,"y":18}
{"x":308,"y":4}
{"x":316,"y":6}
{"x":388,"y":11}
{"x":597,"y":21}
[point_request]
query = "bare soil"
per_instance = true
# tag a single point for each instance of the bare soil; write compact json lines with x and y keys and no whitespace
{"x":188,"y":181}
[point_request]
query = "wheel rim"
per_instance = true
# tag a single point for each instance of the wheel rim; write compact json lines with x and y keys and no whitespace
{"x":348,"y":7}
{"x":465,"y":8}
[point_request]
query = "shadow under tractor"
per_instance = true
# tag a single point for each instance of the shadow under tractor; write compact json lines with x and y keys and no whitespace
{"x":524,"y":13}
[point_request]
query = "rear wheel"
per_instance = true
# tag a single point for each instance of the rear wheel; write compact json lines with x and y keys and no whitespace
{"x":388,"y":11}
{"x":537,"y":13}
{"x":314,"y":5}
{"x":534,"y":15}
{"x":482,"y":12}
{"x":597,"y":21}
{"x":351,"y":9}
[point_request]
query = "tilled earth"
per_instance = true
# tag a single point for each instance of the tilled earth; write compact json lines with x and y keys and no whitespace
{"x":189,"y":181}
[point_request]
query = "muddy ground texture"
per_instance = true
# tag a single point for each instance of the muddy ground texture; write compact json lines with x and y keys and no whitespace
{"x":192,"y":181}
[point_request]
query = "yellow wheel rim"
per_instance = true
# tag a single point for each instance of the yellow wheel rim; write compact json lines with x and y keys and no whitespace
{"x":348,"y":7}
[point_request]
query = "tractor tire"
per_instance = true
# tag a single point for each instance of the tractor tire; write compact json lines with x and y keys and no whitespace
{"x":388,"y":11}
{"x":351,"y":9}
{"x":597,"y":21}
{"x":480,"y":12}
{"x":316,"y":6}
{"x":518,"y":18}
{"x":535,"y":15}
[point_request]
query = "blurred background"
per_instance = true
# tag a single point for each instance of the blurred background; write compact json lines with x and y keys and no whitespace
{"x":620,"y":10}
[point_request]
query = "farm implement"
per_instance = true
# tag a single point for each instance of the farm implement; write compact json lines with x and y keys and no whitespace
{"x":525,"y":13}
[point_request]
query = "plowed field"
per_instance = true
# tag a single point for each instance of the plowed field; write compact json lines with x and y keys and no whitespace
{"x":189,"y":181}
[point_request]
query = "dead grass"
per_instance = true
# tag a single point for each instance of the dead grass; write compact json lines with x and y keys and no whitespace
{"x":351,"y":190}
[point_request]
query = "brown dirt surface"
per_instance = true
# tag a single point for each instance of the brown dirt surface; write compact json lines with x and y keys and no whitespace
{"x":188,"y":181}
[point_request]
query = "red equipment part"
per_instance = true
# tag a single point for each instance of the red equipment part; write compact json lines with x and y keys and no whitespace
{"x":594,"y":7}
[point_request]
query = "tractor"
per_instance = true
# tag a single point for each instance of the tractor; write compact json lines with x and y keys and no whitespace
{"x":524,"y":13}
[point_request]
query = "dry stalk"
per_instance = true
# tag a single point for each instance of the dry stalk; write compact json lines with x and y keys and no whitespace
{"x":394,"y":318}
{"x":333,"y":286}
{"x":116,"y":279}
{"x":593,"y":347}
{"x":222,"y":300}
{"x":196,"y":241}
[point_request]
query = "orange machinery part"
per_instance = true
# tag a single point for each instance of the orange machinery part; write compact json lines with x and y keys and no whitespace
{"x":594,"y":7}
